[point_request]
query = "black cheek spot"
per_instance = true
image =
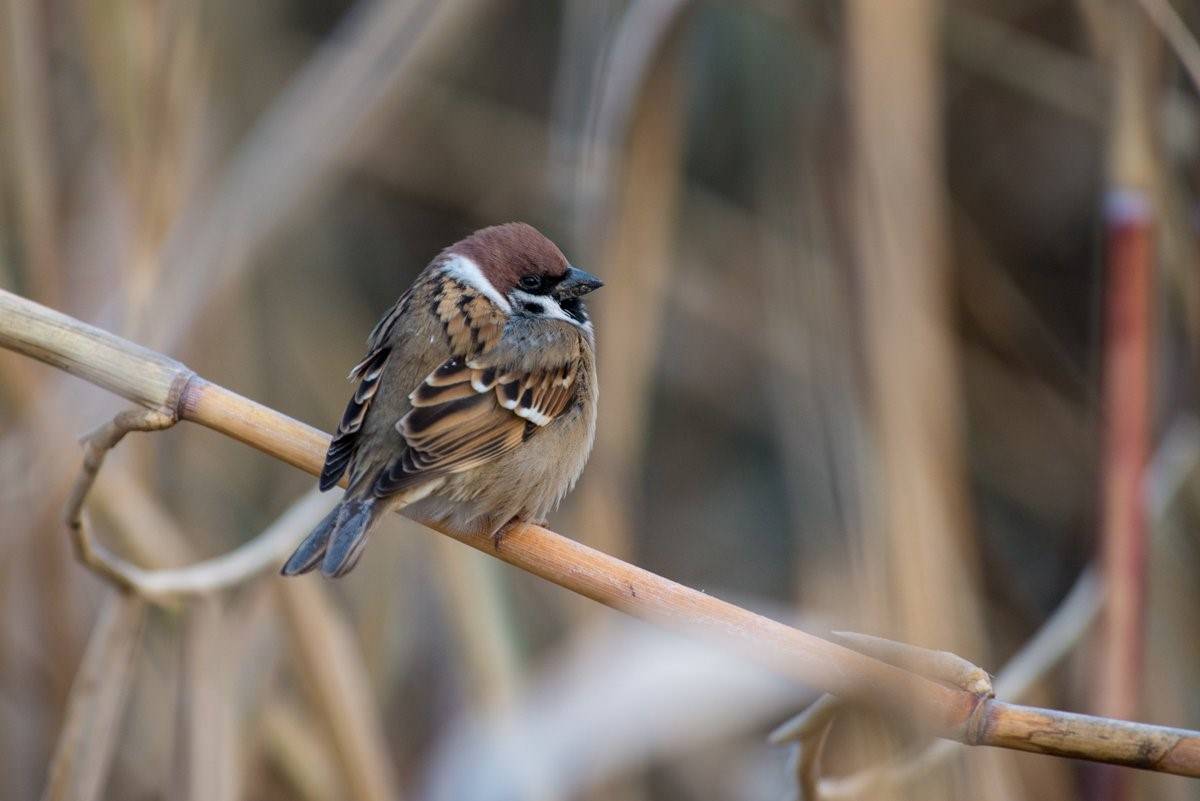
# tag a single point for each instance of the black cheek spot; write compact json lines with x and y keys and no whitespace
{"x":574,"y":308}
{"x":535,"y":308}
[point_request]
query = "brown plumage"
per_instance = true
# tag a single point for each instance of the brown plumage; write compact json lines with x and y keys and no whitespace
{"x":476,"y":401}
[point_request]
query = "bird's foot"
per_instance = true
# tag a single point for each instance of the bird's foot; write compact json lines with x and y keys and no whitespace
{"x":499,"y":533}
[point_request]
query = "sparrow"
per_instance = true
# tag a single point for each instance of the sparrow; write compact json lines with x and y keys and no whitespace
{"x":476,"y":400}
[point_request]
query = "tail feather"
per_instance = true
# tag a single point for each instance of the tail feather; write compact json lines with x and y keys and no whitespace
{"x":310,"y":551}
{"x":337,"y":541}
{"x":349,"y":536}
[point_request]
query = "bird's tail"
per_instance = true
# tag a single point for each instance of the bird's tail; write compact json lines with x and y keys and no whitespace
{"x":338,"y":540}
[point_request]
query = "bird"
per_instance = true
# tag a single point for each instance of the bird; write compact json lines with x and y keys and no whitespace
{"x":476,"y":401}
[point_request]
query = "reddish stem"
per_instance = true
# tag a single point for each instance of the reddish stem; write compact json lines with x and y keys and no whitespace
{"x":1127,"y":377}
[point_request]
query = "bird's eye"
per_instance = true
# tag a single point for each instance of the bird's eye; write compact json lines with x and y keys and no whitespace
{"x":530,"y":282}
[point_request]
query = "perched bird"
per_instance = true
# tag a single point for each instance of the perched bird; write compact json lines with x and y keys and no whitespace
{"x":476,"y":401}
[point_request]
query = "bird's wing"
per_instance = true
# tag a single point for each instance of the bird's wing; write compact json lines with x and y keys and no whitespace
{"x":471,"y":324}
{"x":473,"y":408}
{"x":367,"y":372}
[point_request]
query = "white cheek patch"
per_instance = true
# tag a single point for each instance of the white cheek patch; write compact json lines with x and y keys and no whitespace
{"x":539,"y":306}
{"x":467,"y":271}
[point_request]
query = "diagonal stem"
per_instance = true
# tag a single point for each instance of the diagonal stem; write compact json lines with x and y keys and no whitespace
{"x":157,"y":382}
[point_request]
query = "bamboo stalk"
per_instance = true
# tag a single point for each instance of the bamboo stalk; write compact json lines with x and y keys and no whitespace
{"x":955,"y":714}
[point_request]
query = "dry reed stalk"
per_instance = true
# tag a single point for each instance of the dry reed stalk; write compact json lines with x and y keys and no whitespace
{"x":919,"y":577}
{"x":334,"y":670}
{"x":286,"y":160}
{"x":146,"y":68}
{"x":900,"y":250}
{"x":1127,"y":377}
{"x":585,"y":40}
{"x":1133,"y":168}
{"x":302,"y":152}
{"x":328,"y":655}
{"x":299,"y":754}
{"x":292,"y":147}
{"x":136,"y":514}
{"x":207,"y":763}
{"x":300,"y":140}
{"x":329,"y":661}
{"x":81,"y":761}
{"x":480,"y":612}
{"x":32,"y":135}
{"x":1174,"y":30}
{"x":808,"y":362}
{"x":1054,"y":640}
{"x":146,"y":530}
{"x":32,"y":142}
{"x":482,"y":617}
{"x":801,"y":384}
{"x":1055,"y":77}
{"x":157,"y":382}
{"x":642,"y":91}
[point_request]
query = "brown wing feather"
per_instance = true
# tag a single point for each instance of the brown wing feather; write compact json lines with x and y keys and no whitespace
{"x":367,"y":372}
{"x":475,"y":408}
{"x":490,"y":396}
{"x":472,"y":325}
{"x":341,"y":448}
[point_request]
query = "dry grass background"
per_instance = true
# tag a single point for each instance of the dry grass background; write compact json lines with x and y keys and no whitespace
{"x":854,"y":347}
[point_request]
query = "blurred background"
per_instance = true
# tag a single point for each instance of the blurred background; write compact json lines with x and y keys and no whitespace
{"x":899,"y":336}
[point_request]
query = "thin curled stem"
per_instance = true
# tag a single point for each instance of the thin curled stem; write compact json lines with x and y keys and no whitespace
{"x":96,"y":446}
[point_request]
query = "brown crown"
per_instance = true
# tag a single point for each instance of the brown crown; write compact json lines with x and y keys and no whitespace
{"x":506,"y":252}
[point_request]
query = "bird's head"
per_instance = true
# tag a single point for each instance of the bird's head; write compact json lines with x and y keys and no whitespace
{"x":528,"y":271}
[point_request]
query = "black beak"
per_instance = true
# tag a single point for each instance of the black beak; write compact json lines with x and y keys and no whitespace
{"x":575,"y":284}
